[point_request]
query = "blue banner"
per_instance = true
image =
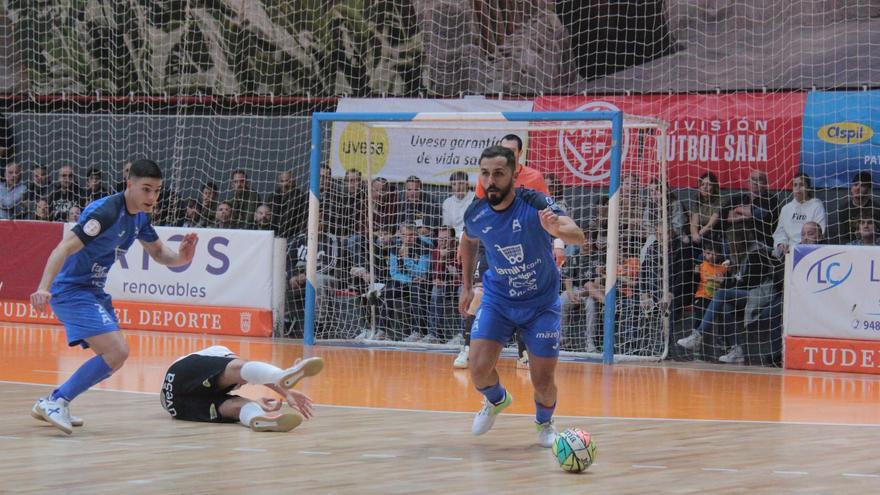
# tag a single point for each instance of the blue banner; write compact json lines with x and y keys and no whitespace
{"x":841,"y":136}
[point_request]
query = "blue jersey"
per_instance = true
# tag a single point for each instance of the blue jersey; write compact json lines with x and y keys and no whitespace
{"x":522,"y":268}
{"x":107,"y":229}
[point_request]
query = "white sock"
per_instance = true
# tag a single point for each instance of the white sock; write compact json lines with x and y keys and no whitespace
{"x":248,"y":412}
{"x":259,"y":373}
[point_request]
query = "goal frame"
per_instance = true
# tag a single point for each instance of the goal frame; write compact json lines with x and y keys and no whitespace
{"x":616,"y":118}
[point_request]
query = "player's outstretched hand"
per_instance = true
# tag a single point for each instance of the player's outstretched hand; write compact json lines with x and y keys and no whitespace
{"x":464,"y":300}
{"x":299,"y":401}
{"x":270,"y":404}
{"x":40,"y":300}
{"x":187,"y":248}
{"x":550,"y":221}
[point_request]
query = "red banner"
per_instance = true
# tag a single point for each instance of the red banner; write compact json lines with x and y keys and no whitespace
{"x":728,"y":134}
{"x":24,"y":248}
{"x":846,"y":355}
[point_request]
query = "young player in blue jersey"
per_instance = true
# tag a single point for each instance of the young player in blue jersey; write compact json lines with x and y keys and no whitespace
{"x":75,"y":274}
{"x":520,"y":287}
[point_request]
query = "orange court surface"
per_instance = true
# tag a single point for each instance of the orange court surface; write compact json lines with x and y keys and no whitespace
{"x":398,"y":421}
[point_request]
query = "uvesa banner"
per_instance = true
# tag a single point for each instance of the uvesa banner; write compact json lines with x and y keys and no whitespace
{"x":841,"y":136}
{"x":833,"y":292}
{"x":230,"y":268}
{"x":728,"y":134}
{"x":430,"y":151}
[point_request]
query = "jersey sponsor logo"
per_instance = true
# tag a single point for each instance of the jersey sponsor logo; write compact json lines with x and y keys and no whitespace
{"x":92,"y":227}
{"x":513,"y":254}
{"x":548,"y":335}
{"x":516,"y":225}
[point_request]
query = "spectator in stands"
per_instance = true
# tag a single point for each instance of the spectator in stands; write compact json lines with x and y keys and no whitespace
{"x":73,"y":214}
{"x":675,"y":213}
{"x":94,"y":186}
{"x":327,"y":271}
{"x":844,"y":215}
{"x":705,"y":219}
{"x":406,"y":296}
{"x":290,"y":206}
{"x":385,"y":206}
{"x":417,"y":209}
{"x":121,"y":185}
{"x":581,"y":270}
{"x":811,"y":233}
{"x":39,"y":187}
{"x":347,"y":206}
{"x":755,"y":211}
{"x":66,"y":194}
{"x":802,"y":208}
{"x":711,"y":272}
{"x":208,"y":203}
{"x":13,"y":194}
{"x":455,"y":205}
{"x":243,"y":200}
{"x":632,"y":208}
{"x":223,"y":217}
{"x":41,"y":211}
{"x":263,"y":219}
{"x":191,"y":215}
{"x":752,"y":266}
{"x":445,"y":279}
{"x":867,"y":230}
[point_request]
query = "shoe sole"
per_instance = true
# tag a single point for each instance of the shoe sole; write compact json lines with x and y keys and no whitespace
{"x":306,"y":368}
{"x":54,"y":423}
{"x":74,"y":420}
{"x":460,"y":366}
{"x":281,"y":423}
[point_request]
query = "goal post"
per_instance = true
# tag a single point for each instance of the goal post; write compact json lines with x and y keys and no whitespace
{"x":508,"y":121}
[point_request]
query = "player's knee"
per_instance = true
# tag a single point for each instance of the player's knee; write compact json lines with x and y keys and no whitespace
{"x":117,"y":356}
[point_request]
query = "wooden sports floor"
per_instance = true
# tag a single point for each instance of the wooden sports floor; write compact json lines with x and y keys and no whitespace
{"x":399,"y":422}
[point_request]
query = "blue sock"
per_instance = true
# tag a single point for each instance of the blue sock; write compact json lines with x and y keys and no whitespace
{"x":89,"y":374}
{"x":543,"y":413}
{"x":494,"y":393}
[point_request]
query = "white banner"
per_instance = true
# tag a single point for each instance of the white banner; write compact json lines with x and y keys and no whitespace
{"x":230,"y":268}
{"x":430,"y":154}
{"x":833,"y":292}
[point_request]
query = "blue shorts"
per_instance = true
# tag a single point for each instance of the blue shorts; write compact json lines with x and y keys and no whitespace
{"x":539,"y":327}
{"x":84,"y":313}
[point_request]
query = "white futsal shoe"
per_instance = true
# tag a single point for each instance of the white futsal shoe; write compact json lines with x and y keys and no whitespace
{"x":303,"y":368}
{"x":75,"y":421}
{"x":691,"y":341}
{"x":461,"y":361}
{"x":276,"y":421}
{"x":484,"y":419}
{"x":546,"y":434}
{"x":56,"y":412}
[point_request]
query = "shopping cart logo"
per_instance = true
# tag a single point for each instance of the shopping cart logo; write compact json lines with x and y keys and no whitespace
{"x":513,"y":254}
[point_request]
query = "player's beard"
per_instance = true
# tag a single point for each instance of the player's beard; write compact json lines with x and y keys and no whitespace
{"x":495,"y":195}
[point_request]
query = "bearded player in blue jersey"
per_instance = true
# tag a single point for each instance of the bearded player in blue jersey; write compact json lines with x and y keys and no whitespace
{"x":75,"y":274}
{"x":520,"y":287}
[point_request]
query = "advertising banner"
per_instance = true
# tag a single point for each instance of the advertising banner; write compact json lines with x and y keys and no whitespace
{"x":846,"y":355}
{"x":728,"y":134}
{"x":430,"y":153}
{"x":833,"y":292}
{"x":841,"y":136}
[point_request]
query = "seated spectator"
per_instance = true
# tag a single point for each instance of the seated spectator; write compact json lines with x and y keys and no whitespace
{"x":94,"y":187}
{"x":263,"y":219}
{"x":705,"y":221}
{"x":346,"y":206}
{"x":753,"y":212}
{"x":290,"y":206}
{"x":578,"y":275}
{"x":867,"y":231}
{"x":73,"y":214}
{"x":39,"y":187}
{"x":455,"y":205}
{"x":445,"y":279}
{"x":222,"y":217}
{"x":66,"y":193}
{"x":802,"y":208}
{"x":191,"y":215}
{"x":208,"y":203}
{"x":675,"y":214}
{"x":811,"y":233}
{"x":123,"y":184}
{"x":13,"y":192}
{"x":406,"y":295}
{"x":327,"y":270}
{"x":417,"y":209}
{"x":711,"y":271}
{"x":41,"y":211}
{"x":242,"y":200}
{"x":632,"y":208}
{"x":844,"y":215}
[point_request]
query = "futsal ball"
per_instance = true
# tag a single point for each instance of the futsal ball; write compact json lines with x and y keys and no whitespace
{"x":574,"y":449}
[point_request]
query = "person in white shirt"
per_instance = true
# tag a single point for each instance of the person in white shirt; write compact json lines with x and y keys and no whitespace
{"x":802,"y":208}
{"x":455,"y":205}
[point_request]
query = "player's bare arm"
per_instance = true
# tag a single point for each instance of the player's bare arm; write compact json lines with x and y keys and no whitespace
{"x":69,"y":245}
{"x":467,"y":250}
{"x":562,"y":227}
{"x":164,"y":255}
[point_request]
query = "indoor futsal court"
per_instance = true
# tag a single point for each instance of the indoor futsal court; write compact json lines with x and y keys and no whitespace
{"x":391,"y":421}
